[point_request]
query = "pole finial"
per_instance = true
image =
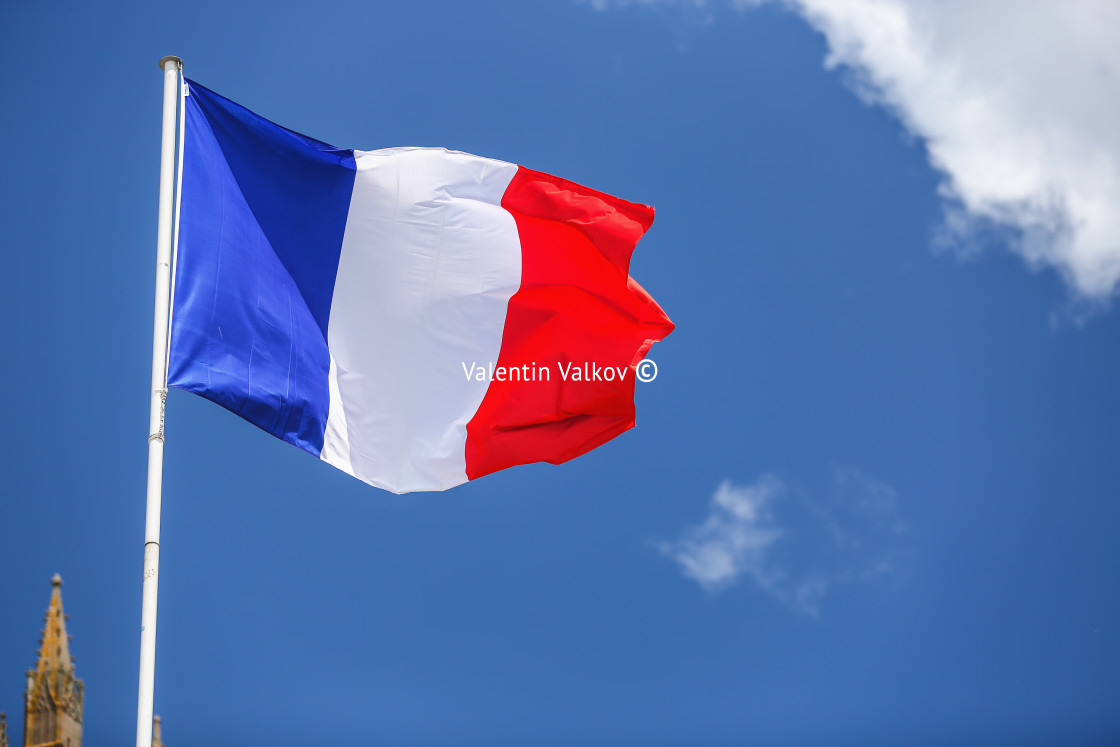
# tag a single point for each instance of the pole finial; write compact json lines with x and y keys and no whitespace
{"x":170,"y":58}
{"x":56,"y":580}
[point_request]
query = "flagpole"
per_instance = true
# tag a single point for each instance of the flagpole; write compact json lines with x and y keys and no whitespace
{"x":172,"y":68}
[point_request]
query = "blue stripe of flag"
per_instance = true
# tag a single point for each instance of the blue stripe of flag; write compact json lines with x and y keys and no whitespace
{"x":263,"y":215}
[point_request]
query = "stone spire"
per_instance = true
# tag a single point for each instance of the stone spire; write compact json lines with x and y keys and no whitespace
{"x":157,"y":733}
{"x":54,"y":696}
{"x":3,"y":730}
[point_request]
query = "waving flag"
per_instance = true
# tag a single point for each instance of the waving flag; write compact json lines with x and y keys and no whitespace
{"x":416,"y":317}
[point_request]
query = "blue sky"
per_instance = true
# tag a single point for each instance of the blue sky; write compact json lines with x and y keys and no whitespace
{"x":871,"y":497}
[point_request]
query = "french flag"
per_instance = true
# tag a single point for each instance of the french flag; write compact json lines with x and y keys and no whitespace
{"x":416,"y":317}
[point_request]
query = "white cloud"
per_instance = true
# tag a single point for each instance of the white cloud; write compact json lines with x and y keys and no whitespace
{"x":852,"y":536}
{"x":734,"y":539}
{"x":1018,"y":104}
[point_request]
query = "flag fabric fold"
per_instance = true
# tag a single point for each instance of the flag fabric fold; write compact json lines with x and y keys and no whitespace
{"x":416,"y":317}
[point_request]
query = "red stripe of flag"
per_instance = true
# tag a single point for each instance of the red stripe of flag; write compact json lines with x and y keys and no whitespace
{"x":576,"y":305}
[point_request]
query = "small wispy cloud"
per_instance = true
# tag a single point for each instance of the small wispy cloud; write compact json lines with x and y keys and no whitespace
{"x":873,"y":503}
{"x":851,"y":536}
{"x":735,"y":538}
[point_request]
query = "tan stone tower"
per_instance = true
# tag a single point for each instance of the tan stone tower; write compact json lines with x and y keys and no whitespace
{"x":52,"y":715}
{"x":3,"y":730}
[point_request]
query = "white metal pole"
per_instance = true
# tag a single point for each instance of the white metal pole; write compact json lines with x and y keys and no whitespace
{"x":172,"y":68}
